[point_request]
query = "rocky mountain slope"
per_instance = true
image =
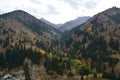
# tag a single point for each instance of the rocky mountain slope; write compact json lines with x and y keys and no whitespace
{"x":92,"y":48}
{"x":96,"y":41}
{"x":19,"y":26}
{"x":73,"y":23}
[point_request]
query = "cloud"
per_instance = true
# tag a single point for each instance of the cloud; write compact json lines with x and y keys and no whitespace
{"x":52,"y":10}
{"x":85,"y":3}
{"x":73,"y":3}
{"x":58,"y":11}
{"x":36,"y":1}
{"x":90,"y":4}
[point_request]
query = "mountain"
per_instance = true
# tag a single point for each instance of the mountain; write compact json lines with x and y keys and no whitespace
{"x":90,"y":50}
{"x":20,"y":27}
{"x":97,"y":42}
{"x":73,"y":23}
{"x":28,"y":20}
{"x":51,"y":24}
{"x":68,"y":25}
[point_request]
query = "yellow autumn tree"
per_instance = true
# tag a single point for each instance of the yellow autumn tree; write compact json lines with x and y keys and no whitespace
{"x":89,"y":28}
{"x":42,"y":52}
{"x":75,"y":62}
{"x":50,"y":55}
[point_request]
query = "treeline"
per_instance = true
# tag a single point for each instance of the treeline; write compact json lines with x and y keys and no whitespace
{"x":95,"y":47}
{"x":61,"y":64}
{"x":15,"y":56}
{"x":54,"y":63}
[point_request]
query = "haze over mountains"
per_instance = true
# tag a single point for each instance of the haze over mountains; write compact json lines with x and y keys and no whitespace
{"x":73,"y":23}
{"x":89,"y":45}
{"x":68,"y":25}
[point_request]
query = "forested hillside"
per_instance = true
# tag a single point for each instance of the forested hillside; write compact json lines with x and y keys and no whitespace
{"x":90,"y":51}
{"x":96,"y":41}
{"x":20,"y":27}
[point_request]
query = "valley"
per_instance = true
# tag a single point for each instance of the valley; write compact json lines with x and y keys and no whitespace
{"x":33,"y":49}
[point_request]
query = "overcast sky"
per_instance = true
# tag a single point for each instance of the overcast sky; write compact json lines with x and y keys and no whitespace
{"x":58,"y":11}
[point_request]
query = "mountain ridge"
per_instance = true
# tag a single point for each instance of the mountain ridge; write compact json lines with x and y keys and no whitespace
{"x":21,"y":22}
{"x":73,"y":23}
{"x":89,"y":48}
{"x":25,"y":17}
{"x":97,"y":40}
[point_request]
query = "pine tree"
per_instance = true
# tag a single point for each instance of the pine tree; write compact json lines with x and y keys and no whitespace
{"x":26,"y":71}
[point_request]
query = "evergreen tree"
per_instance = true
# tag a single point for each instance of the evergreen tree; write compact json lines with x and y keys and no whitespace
{"x":26,"y":72}
{"x":118,"y":78}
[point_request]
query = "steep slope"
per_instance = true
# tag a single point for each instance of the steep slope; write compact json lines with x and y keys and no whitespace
{"x":89,"y":50}
{"x":28,"y":20}
{"x":104,"y":24}
{"x":96,"y":41}
{"x":71,"y":24}
{"x":19,"y":25}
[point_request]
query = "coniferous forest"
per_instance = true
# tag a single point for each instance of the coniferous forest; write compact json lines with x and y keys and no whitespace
{"x":90,"y":51}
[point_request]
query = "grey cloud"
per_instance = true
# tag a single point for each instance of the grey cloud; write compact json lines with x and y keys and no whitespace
{"x":90,"y":4}
{"x":36,"y":1}
{"x":73,"y":3}
{"x":85,"y":3}
{"x":52,"y":10}
{"x":34,"y":11}
{"x":6,"y":9}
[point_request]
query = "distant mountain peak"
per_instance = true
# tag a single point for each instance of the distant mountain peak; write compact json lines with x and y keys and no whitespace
{"x":73,"y":23}
{"x":112,"y":10}
{"x":20,"y":25}
{"x":15,"y":12}
{"x":108,"y":21}
{"x":19,"y":11}
{"x":115,"y":8}
{"x":43,"y":19}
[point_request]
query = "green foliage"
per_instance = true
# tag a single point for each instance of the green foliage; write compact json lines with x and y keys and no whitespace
{"x":71,"y":72}
{"x":1,"y":41}
{"x":75,"y":62}
{"x":110,"y":76}
{"x":2,"y":61}
{"x":4,"y":32}
{"x":26,"y":72}
{"x":114,"y":44}
{"x":5,"y":42}
{"x":15,"y":57}
{"x":94,"y":46}
{"x":54,"y":65}
{"x":118,"y":78}
{"x":84,"y":70}
{"x":115,"y":18}
{"x":97,"y":43}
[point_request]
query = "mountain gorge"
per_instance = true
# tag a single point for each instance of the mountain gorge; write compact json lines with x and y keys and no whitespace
{"x":88,"y":46}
